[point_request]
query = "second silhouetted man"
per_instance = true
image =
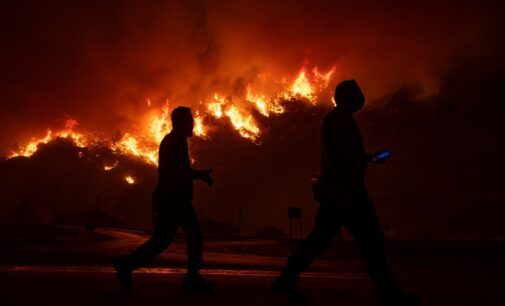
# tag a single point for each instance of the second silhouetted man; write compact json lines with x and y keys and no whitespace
{"x":344,"y":201}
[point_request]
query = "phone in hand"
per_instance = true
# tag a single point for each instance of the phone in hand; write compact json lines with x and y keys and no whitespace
{"x":381,"y":156}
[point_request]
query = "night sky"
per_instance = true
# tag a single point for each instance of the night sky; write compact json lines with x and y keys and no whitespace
{"x":433,"y":73}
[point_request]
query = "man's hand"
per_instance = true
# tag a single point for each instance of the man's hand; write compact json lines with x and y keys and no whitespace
{"x":205,"y":175}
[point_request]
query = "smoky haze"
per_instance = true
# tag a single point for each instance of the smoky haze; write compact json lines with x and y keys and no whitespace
{"x":99,"y":62}
{"x":432,"y":71}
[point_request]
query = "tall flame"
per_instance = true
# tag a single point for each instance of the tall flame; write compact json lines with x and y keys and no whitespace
{"x":215,"y":107}
{"x":160,"y":124}
{"x":301,"y":87}
{"x":199,"y":128}
{"x":308,"y":89}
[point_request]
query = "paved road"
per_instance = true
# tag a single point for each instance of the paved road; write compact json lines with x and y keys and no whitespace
{"x":76,"y":272}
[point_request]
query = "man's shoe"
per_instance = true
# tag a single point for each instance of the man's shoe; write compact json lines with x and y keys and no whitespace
{"x":287,"y":287}
{"x":123,"y":272}
{"x":399,"y":300}
{"x":196,"y":283}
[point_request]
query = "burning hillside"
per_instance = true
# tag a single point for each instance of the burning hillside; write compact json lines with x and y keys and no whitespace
{"x":241,"y":112}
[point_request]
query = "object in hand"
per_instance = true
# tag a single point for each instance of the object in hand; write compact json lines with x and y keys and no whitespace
{"x":381,"y":156}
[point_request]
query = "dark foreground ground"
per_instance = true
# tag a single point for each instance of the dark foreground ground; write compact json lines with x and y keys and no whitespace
{"x":69,"y":267}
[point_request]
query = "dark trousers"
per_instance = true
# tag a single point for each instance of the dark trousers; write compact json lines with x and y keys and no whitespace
{"x":363,"y":224}
{"x":166,"y":222}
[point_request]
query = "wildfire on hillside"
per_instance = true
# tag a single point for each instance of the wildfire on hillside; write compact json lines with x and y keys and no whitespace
{"x":240,"y":112}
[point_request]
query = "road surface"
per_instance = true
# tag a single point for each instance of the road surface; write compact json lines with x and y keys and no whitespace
{"x":75,"y":270}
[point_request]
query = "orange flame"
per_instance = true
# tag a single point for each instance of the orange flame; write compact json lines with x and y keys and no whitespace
{"x":129,"y":144}
{"x":199,"y":128}
{"x":304,"y":88}
{"x":160,"y":125}
{"x":244,"y":125}
{"x":32,"y":146}
{"x":263,"y":105}
{"x":216,"y":106}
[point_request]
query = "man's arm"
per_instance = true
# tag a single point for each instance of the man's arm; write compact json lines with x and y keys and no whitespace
{"x":177,"y":170}
{"x":202,"y":175}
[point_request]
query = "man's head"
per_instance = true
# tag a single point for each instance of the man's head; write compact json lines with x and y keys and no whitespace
{"x":182,"y":121}
{"x":348,"y":96}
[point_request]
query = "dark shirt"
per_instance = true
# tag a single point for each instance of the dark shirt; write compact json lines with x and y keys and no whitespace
{"x":343,"y":158}
{"x":174,"y":167}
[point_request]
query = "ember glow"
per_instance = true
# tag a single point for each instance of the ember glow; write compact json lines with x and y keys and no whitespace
{"x":308,"y":86}
{"x":129,"y":179}
{"x":110,"y":166}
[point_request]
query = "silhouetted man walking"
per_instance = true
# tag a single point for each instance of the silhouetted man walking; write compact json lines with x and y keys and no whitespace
{"x":340,"y":189}
{"x":172,"y":207}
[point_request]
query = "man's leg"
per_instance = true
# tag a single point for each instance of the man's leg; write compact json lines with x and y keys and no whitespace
{"x":366,"y":230}
{"x":191,"y":227}
{"x":164,"y":233}
{"x":328,"y":222}
{"x":151,"y":248}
